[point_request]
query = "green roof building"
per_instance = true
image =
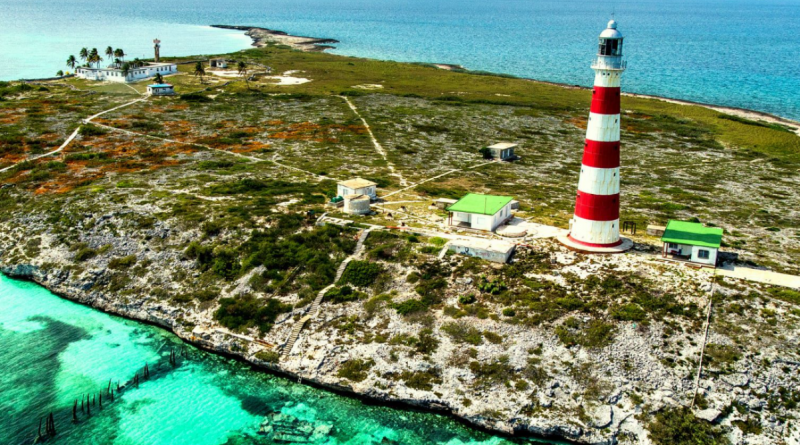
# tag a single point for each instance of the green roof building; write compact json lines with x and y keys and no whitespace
{"x":480,"y":212}
{"x":692,"y":242}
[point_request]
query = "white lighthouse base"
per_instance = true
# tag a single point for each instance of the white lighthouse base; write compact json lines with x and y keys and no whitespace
{"x":626,"y":245}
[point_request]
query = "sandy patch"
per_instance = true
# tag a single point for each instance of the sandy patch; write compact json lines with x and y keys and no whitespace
{"x":369,"y":86}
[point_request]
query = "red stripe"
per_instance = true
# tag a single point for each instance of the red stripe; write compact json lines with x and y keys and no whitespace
{"x":576,"y":241}
{"x":601,"y":154}
{"x":605,"y":100}
{"x":597,"y":207}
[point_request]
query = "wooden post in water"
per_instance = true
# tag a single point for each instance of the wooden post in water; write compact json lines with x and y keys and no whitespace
{"x":100,"y":397}
{"x":88,"y":407}
{"x":82,"y":410}
{"x":112,"y":395}
{"x":75,"y":411}
{"x":39,"y":434}
{"x":108,"y":390}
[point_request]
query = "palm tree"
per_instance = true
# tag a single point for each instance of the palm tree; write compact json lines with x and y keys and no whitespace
{"x":71,"y":62}
{"x":93,"y":55}
{"x":84,"y":54}
{"x":126,"y":69}
{"x":199,"y":70}
{"x":109,"y":52}
{"x":158,"y":79}
{"x":60,"y":73}
{"x":119,"y":53}
{"x":242,"y":67}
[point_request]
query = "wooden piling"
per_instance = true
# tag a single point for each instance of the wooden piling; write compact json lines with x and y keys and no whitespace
{"x":100,"y":398}
{"x":75,"y":411}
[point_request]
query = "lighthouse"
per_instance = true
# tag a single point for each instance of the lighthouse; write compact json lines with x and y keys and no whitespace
{"x":595,"y":225}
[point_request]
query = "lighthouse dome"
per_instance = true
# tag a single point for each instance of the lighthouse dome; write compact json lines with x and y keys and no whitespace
{"x":611,"y":31}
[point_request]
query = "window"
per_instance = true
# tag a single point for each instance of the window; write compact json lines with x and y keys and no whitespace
{"x":703,"y":254}
{"x":672,"y":246}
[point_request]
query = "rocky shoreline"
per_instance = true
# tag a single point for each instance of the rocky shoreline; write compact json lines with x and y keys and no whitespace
{"x":263,"y":36}
{"x":164,"y":317}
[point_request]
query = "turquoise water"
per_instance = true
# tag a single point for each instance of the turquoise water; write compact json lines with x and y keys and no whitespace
{"x":740,"y":53}
{"x":55,"y":350}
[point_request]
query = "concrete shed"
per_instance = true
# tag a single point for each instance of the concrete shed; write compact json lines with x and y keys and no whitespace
{"x":357,"y":204}
{"x":504,"y":151}
{"x":357,"y":186}
{"x":490,"y":250}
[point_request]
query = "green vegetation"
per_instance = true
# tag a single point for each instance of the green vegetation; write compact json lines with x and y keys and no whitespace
{"x":246,"y":312}
{"x":122,"y":262}
{"x":268,"y":356}
{"x":355,"y":370}
{"x":462,"y":332}
{"x":361,"y":273}
{"x":592,"y":334}
{"x":679,"y":426}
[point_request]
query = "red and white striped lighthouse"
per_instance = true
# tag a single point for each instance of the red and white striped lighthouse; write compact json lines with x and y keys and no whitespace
{"x":595,"y":224}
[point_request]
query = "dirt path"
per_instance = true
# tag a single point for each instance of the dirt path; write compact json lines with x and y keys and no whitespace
{"x":378,"y":147}
{"x":759,"y":276}
{"x":71,"y":136}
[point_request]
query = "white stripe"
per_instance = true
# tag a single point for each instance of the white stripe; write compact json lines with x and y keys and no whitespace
{"x":604,"y":78}
{"x":599,"y":181}
{"x":603,"y":127}
{"x":595,"y":232}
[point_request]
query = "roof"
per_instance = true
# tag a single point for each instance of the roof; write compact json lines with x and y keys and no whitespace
{"x":693,"y":234}
{"x":611,"y":31}
{"x":480,"y":204}
{"x":357,"y":183}
{"x":503,"y":145}
{"x":160,"y":85}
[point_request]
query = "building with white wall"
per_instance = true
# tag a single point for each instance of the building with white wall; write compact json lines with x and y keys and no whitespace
{"x":160,"y":89}
{"x":480,"y":212}
{"x":113,"y":74}
{"x":503,"y":151}
{"x":357,"y":186}
{"x":692,"y":242}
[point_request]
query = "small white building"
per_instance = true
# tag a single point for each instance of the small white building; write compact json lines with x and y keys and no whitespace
{"x":503,"y":151}
{"x":490,"y":250}
{"x":357,"y":186}
{"x":218,"y":63}
{"x":480,"y":212}
{"x":693,"y":242}
{"x":113,"y":74}
{"x":160,"y":89}
{"x":357,"y":204}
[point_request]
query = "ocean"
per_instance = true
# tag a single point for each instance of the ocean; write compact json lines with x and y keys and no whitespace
{"x":739,"y":53}
{"x":55,"y":352}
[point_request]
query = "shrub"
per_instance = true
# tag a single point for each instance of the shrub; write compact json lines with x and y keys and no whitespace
{"x":492,"y":337}
{"x":498,"y":371}
{"x":680,"y":426}
{"x":356,"y":370}
{"x":122,"y":263}
{"x":410,"y":306}
{"x":509,"y":312}
{"x":361,"y":273}
{"x":594,"y":334}
{"x":91,"y":130}
{"x":342,"y":294}
{"x":85,"y":253}
{"x":422,"y":380}
{"x":467,"y":299}
{"x":629,"y":312}
{"x":268,"y":356}
{"x":246,"y":312}
{"x":463,"y":333}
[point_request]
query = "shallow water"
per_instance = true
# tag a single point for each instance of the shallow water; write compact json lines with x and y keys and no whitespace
{"x":739,"y":53}
{"x":55,"y":350}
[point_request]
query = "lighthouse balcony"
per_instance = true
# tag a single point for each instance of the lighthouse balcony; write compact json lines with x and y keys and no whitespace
{"x":609,"y":63}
